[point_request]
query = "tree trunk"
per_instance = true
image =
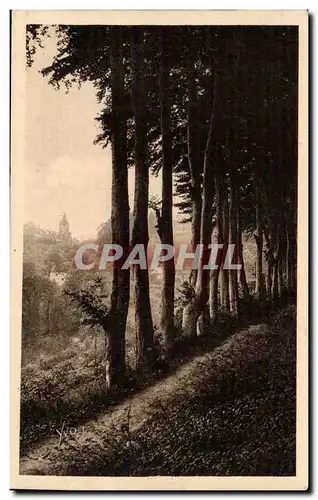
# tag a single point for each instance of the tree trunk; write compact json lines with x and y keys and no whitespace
{"x":259,"y":263}
{"x":241,"y":272}
{"x":215,"y":273}
{"x":225,"y":278}
{"x":143,"y":318}
{"x":233,"y":240}
{"x":258,"y":235}
{"x":281,"y":245}
{"x":167,"y":297}
{"x":214,"y":306}
{"x":273,"y":264}
{"x":212,"y":155}
{"x":194,"y":156}
{"x":281,"y":281}
{"x":275,"y":292}
{"x":291,"y":247}
{"x":115,"y":354}
{"x":270,"y":266}
{"x":277,"y":286}
{"x":269,"y":277}
{"x":192,"y":322}
{"x":195,"y":225}
{"x":277,"y":245}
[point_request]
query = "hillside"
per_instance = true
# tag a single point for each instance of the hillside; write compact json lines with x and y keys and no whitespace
{"x":227,"y":412}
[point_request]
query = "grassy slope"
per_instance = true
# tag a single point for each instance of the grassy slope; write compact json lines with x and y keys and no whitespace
{"x":228,"y":412}
{"x":235,"y":421}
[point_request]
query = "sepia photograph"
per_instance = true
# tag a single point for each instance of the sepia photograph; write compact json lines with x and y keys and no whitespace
{"x":159,"y":232}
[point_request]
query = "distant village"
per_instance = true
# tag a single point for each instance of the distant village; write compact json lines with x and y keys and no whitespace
{"x":65,"y":236}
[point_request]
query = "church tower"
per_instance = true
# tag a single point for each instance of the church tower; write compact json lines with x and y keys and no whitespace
{"x":64,"y":229}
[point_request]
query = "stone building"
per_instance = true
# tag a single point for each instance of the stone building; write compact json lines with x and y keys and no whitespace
{"x":64,"y":230}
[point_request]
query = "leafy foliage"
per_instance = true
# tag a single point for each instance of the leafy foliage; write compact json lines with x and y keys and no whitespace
{"x":93,"y":302}
{"x":186,"y":294}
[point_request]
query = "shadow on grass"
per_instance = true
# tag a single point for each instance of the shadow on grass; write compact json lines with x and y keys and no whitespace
{"x":43,"y":420}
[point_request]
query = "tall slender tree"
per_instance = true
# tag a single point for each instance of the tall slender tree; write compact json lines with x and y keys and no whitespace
{"x":193,"y":143}
{"x":140,"y":236}
{"x":167,"y":297}
{"x":233,"y":240}
{"x":211,"y":156}
{"x":115,"y":353}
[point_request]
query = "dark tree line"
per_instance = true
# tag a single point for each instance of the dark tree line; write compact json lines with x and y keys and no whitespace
{"x":213,"y":110}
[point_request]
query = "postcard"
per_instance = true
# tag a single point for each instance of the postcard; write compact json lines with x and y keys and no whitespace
{"x":159,"y":250}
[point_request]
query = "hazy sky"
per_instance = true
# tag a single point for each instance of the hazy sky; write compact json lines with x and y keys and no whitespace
{"x":64,"y":171}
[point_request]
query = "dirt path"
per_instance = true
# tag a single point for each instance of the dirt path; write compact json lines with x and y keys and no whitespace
{"x":52,"y":456}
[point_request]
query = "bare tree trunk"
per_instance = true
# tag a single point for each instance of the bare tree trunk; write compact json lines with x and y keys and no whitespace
{"x":203,"y":282}
{"x":215,"y":273}
{"x":196,"y":315}
{"x":196,"y":226}
{"x":167,"y":298}
{"x":233,"y":241}
{"x":143,"y":318}
{"x":194,"y":156}
{"x":241,"y":272}
{"x":259,"y":263}
{"x":258,"y":235}
{"x":214,"y":306}
{"x":212,"y":155}
{"x":291,"y":247}
{"x":270,"y":270}
{"x":277,"y":244}
{"x":115,"y":354}
{"x":281,"y":281}
{"x":273,"y":263}
{"x":189,"y":319}
{"x":270,"y":266}
{"x":275,"y":293}
{"x":277,"y":287}
{"x":225,"y":277}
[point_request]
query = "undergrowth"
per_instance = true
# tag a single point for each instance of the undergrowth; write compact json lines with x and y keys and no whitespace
{"x":240,"y":420}
{"x":70,"y":384}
